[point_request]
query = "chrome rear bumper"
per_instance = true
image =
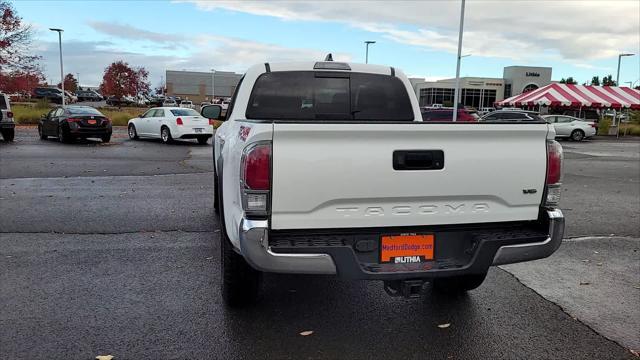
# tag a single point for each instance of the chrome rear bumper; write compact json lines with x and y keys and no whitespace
{"x":524,"y":252}
{"x":254,"y":245}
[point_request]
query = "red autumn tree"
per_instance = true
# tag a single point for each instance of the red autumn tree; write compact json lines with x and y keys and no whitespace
{"x":120,"y":80}
{"x":15,"y":42}
{"x":20,"y":82}
{"x":70,"y":83}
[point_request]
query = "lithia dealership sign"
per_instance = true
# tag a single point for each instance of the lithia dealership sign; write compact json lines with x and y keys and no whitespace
{"x":534,"y":74}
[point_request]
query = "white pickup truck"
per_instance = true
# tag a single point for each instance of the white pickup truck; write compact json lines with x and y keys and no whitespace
{"x":327,"y":168}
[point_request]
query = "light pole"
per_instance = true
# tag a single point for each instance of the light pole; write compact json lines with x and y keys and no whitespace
{"x":78,"y":79}
{"x":366,"y":56}
{"x":456,"y":94}
{"x":213,"y":85}
{"x":59,"y":31}
{"x":620,"y":58}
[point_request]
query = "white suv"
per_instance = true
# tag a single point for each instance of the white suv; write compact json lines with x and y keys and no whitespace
{"x":7,"y":124}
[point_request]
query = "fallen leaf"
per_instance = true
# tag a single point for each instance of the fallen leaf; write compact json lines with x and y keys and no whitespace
{"x":585,"y":260}
{"x":306,"y":333}
{"x":104,"y":357}
{"x":585,"y":283}
{"x":444,"y":326}
{"x":595,"y":252}
{"x":599,"y":264}
{"x":210,"y":257}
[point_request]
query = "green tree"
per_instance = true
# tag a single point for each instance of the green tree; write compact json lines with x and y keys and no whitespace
{"x":608,"y":81}
{"x":568,"y":80}
{"x":595,"y":81}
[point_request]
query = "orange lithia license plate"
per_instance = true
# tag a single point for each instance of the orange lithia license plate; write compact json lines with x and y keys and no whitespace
{"x":91,"y":122}
{"x":406,"y":248}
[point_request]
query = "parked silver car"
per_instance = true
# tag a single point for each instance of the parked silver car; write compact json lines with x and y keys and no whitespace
{"x":571,"y":127}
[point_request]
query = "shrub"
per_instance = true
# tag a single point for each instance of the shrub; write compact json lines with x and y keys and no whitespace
{"x":603,"y":127}
{"x":629,"y":129}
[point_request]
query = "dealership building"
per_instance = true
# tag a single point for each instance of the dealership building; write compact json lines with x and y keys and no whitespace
{"x":482,"y":92}
{"x":197,"y":86}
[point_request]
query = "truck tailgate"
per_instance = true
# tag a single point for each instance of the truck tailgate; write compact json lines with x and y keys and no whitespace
{"x":335,"y":175}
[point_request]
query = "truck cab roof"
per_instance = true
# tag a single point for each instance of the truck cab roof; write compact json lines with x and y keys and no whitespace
{"x":324,"y":66}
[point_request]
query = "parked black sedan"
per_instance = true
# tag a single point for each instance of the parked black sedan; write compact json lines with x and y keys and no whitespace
{"x":72,"y":122}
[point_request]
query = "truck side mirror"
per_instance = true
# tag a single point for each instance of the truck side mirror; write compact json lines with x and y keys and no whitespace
{"x":211,"y":112}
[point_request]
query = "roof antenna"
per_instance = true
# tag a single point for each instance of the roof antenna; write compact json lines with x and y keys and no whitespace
{"x":329,"y":57}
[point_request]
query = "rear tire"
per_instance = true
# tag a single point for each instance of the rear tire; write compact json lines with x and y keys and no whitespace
{"x":240,"y":283}
{"x":458,"y":284}
{"x":133,"y":133}
{"x":216,"y":196}
{"x":41,"y":133}
{"x":577,"y":135}
{"x":8,"y":134}
{"x":62,"y":137}
{"x":203,"y":140}
{"x":165,"y":135}
{"x":106,"y":138}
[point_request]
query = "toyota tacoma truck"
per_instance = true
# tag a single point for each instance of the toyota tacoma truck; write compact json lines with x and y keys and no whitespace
{"x":327,"y":168}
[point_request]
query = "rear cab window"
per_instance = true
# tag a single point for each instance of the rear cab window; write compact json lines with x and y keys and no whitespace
{"x":329,"y":96}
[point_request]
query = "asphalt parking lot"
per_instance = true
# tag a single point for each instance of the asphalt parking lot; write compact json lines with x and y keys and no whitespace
{"x":113,"y":249}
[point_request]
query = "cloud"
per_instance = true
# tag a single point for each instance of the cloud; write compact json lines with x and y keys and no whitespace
{"x":511,"y":29}
{"x":90,"y":58}
{"x":129,"y":32}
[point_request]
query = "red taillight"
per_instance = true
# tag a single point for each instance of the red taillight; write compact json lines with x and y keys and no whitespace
{"x":179,"y":121}
{"x":255,"y":179}
{"x":554,"y":162}
{"x":212,"y":122}
{"x":257,"y":167}
{"x":73,"y":120}
{"x":554,"y":174}
{"x":594,"y":125}
{"x":10,"y":114}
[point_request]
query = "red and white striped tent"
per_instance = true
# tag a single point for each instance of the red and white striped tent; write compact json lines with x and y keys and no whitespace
{"x":577,"y":96}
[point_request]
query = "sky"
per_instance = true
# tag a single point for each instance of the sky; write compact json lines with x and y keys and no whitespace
{"x":576,"y":38}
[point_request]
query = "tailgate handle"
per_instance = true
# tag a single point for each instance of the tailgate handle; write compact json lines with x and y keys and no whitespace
{"x":418,"y":160}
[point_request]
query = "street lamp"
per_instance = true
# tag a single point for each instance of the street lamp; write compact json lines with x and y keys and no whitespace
{"x":620,"y":58}
{"x":367,"y":43}
{"x":78,"y":79}
{"x":213,"y":82}
{"x":456,"y":94}
{"x":59,"y":31}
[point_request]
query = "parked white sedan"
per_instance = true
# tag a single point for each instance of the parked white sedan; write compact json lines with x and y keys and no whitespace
{"x":168,"y":123}
{"x":571,"y":127}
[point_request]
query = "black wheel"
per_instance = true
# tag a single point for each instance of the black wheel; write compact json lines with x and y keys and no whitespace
{"x":458,"y":284}
{"x":63,"y":137}
{"x":8,"y":134}
{"x":203,"y":140}
{"x":216,"y":196}
{"x":106,"y":138}
{"x":133,"y":134}
{"x":165,"y":135}
{"x":41,"y":133}
{"x":577,"y":135}
{"x":240,"y":283}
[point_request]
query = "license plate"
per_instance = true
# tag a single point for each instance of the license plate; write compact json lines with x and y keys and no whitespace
{"x":406,"y":248}
{"x":91,"y":122}
{"x":198,"y":130}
